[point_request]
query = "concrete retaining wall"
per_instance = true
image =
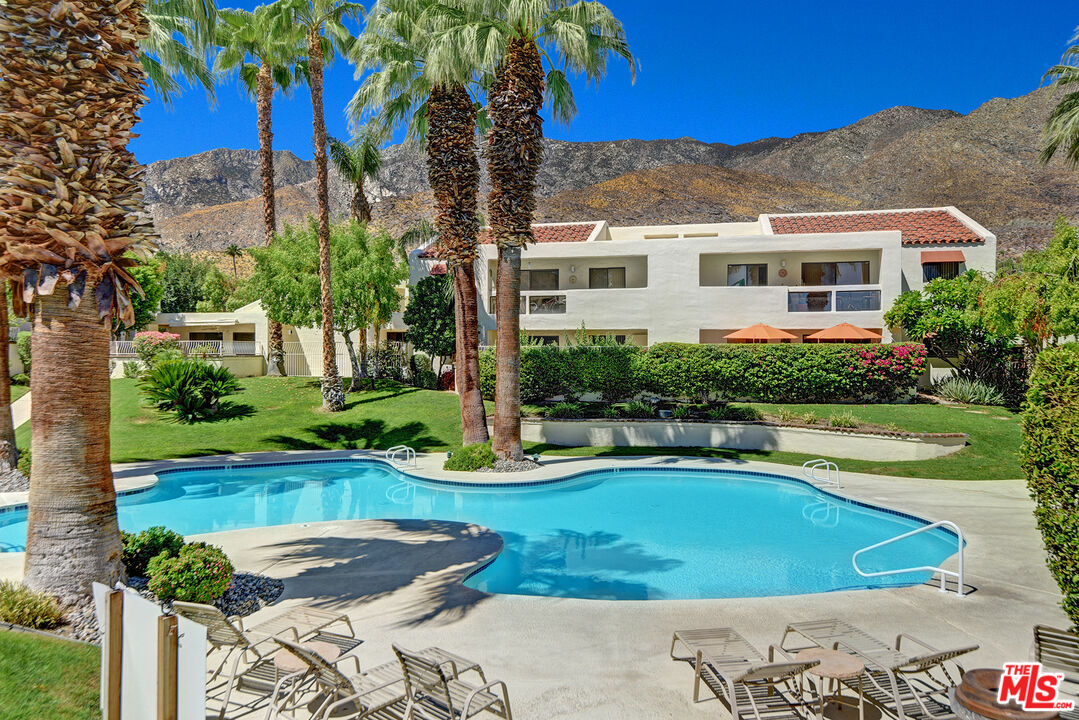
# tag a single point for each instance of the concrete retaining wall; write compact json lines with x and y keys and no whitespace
{"x":740,"y":436}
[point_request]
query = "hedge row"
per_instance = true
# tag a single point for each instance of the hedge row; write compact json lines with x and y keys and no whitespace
{"x":1050,"y":459}
{"x":766,"y":373}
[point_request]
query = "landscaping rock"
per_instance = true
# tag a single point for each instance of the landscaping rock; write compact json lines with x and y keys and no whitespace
{"x":502,"y":466}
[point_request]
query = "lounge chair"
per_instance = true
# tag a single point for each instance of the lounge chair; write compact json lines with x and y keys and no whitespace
{"x":252,"y":670}
{"x":901,"y":684}
{"x":1058,"y":650}
{"x":739,"y":675}
{"x":434,"y":689}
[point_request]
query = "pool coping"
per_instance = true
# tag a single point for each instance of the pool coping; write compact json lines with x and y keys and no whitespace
{"x":139,"y":477}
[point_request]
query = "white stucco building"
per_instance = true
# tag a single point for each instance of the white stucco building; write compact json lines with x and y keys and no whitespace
{"x":800,"y":273}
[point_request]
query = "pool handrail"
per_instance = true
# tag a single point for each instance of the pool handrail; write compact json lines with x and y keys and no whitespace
{"x":960,"y":589}
{"x":809,"y":470}
{"x":392,"y":454}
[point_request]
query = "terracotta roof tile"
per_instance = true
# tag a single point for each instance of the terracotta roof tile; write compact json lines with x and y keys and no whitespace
{"x":919,"y":227}
{"x":575,"y":232}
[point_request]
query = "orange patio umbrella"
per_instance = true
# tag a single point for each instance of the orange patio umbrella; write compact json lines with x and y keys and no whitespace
{"x":844,"y":332}
{"x":760,"y":333}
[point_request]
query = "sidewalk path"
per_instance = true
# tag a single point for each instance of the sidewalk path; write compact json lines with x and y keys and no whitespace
{"x":20,"y":410}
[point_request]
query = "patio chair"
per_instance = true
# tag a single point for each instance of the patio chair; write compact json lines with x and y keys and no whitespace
{"x":739,"y":675}
{"x":250,"y":649}
{"x":433,"y":693}
{"x":1058,"y":650}
{"x":901,"y":684}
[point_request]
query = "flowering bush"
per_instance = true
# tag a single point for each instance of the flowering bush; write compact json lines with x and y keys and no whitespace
{"x":150,"y":345}
{"x":199,"y":573}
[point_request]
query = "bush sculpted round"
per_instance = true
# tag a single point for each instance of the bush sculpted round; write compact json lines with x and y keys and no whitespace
{"x":198,"y":573}
{"x":140,"y":548}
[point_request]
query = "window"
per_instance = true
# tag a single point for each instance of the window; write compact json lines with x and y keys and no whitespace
{"x":546,"y":304}
{"x":607,"y":277}
{"x":243,"y":337}
{"x":545,"y":339}
{"x":618,"y":339}
{"x":395,"y":336}
{"x":857,"y":300}
{"x":539,"y":279}
{"x":809,"y":302}
{"x":204,"y":336}
{"x":747,"y":275}
{"x":836,"y":273}
{"x":934,"y":270}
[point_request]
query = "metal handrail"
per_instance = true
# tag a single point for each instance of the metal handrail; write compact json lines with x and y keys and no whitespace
{"x":809,"y":469}
{"x":944,"y":574}
{"x":410,"y":456}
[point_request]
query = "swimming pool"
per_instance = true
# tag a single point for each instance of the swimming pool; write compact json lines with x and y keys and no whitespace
{"x":624,"y":533}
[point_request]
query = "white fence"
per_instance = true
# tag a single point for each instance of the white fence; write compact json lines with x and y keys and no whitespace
{"x":309,"y":364}
{"x":209,"y":348}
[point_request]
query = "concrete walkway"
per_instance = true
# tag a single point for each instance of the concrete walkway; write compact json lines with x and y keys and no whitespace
{"x":569,"y":658}
{"x":20,"y":410}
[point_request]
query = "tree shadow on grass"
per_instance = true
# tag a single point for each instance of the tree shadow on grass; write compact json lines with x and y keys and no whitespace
{"x":716,"y":453}
{"x":229,"y":411}
{"x":360,"y":435}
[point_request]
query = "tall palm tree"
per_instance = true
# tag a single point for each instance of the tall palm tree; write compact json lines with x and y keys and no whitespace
{"x":323,"y":23}
{"x":175,"y":46}
{"x":415,"y":83}
{"x":266,"y":55}
{"x":356,"y":162}
{"x":234,"y":251}
{"x":1062,"y":127}
{"x":70,"y":207}
{"x":514,"y":37}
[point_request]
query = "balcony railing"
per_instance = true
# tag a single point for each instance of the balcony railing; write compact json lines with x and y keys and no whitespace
{"x":838,"y":299}
{"x":209,"y":348}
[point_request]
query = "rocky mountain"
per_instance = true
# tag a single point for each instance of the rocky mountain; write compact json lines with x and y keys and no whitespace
{"x":984,"y":163}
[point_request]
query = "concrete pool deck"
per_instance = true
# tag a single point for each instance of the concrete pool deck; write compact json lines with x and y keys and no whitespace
{"x":568,"y":658}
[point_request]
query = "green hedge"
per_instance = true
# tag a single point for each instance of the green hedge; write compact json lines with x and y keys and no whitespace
{"x":768,"y":373}
{"x":1050,"y":459}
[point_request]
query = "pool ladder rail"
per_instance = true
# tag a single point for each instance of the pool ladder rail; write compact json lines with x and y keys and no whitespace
{"x":960,"y":589}
{"x":810,"y":467}
{"x":401,"y":456}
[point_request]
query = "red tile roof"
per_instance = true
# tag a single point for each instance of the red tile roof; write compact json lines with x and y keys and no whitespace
{"x":575,"y":232}
{"x":919,"y":227}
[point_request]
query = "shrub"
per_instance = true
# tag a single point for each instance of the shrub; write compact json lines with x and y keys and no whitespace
{"x":810,"y":418}
{"x":788,"y":416}
{"x":737,"y":413}
{"x":198,"y":573}
{"x":565,"y":410}
{"x":422,"y":375}
{"x":191,"y":388}
{"x":973,"y":392}
{"x":24,"y":461}
{"x":149,"y":345}
{"x":22,"y":606}
{"x":611,"y":412}
{"x":1050,"y":459}
{"x":20,"y":379}
{"x":682,"y":412}
{"x":471,"y":458}
{"x":132,"y":370}
{"x":140,"y":548}
{"x":447,"y":380}
{"x":638,"y":409}
{"x":608,"y":370}
{"x":843,"y":419}
{"x":22,"y":348}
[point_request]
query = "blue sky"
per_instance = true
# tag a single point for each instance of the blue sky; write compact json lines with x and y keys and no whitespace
{"x":719,"y":72}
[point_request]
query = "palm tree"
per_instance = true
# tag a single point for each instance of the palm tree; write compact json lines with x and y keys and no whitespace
{"x":9,"y":452}
{"x":70,"y":209}
{"x":514,"y":37}
{"x":179,"y":34}
{"x":234,"y":251}
{"x":355,"y":163}
{"x":266,"y":54}
{"x":414,"y":83}
{"x":1062,"y":127}
{"x":323,"y":23}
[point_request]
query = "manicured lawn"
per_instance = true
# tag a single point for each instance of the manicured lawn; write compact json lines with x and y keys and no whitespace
{"x":17,"y":391}
{"x":992,"y":452}
{"x":284,"y":414}
{"x":45,"y":678}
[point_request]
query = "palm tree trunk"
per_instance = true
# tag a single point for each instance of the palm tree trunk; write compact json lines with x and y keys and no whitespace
{"x":467,"y":361}
{"x":354,"y":385}
{"x":333,"y":397}
{"x":359,"y":207}
{"x":514,"y":153}
{"x":72,"y":537}
{"x":453,"y":173}
{"x":9,"y":454}
{"x":264,"y":104}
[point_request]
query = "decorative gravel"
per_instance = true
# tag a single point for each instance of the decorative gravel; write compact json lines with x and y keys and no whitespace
{"x":248,"y":593}
{"x":503,"y":466}
{"x":14,"y":482}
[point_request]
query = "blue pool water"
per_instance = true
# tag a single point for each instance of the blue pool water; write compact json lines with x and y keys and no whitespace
{"x":619,"y":534}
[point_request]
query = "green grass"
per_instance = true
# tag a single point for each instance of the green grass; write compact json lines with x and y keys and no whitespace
{"x":45,"y":678}
{"x":284,"y":414}
{"x":17,"y":391}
